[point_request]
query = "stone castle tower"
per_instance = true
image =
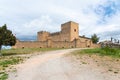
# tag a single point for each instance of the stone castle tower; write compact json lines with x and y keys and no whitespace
{"x":69,"y":32}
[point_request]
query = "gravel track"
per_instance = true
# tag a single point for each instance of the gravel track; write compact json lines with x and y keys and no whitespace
{"x":54,"y":65}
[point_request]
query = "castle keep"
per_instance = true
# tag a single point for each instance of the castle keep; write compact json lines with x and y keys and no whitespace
{"x":68,"y":37}
{"x":69,"y":32}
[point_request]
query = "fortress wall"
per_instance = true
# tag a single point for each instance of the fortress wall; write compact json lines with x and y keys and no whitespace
{"x":63,"y":44}
{"x":42,"y":36}
{"x":45,"y":44}
{"x":31,"y":44}
{"x":95,"y":46}
{"x":65,"y":37}
{"x":56,"y":37}
{"x":83,"y":39}
{"x":84,"y":42}
{"x":55,"y":44}
{"x":87,"y":42}
{"x":80,"y":44}
{"x":55,"y":33}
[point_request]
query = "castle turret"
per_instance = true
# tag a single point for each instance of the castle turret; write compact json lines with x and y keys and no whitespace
{"x":69,"y":31}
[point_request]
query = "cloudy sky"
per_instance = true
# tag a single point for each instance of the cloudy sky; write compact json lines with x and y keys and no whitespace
{"x":26,"y":17}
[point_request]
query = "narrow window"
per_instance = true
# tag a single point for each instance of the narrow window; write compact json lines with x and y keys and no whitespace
{"x":74,"y":30}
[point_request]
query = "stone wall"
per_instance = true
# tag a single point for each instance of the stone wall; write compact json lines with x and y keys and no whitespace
{"x":55,"y":44}
{"x":42,"y":36}
{"x":63,"y":44}
{"x":55,"y":36}
{"x":31,"y":44}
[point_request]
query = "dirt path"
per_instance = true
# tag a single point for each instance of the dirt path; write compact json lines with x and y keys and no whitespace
{"x":54,"y":65}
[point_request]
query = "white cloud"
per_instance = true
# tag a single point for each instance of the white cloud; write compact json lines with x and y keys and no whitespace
{"x":26,"y":17}
{"x":35,"y":25}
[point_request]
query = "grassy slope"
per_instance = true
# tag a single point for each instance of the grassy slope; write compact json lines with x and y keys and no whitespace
{"x":5,"y":62}
{"x":106,"y":59}
{"x":26,"y":50}
{"x":114,"y":52}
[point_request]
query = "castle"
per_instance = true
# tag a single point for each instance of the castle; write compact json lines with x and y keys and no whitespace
{"x":68,"y":37}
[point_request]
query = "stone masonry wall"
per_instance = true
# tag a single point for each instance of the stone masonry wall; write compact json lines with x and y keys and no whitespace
{"x":31,"y":44}
{"x":54,"y":44}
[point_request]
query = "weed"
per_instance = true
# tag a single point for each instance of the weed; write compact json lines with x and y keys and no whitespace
{"x":3,"y":76}
{"x":110,"y":70}
{"x":84,"y":63}
{"x":114,"y":52}
{"x":10,"y":61}
{"x":26,"y":50}
{"x":116,"y":72}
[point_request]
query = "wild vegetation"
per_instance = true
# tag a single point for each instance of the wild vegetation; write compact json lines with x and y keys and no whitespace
{"x":9,"y":57}
{"x":26,"y":51}
{"x":94,"y":38}
{"x":106,"y":51}
{"x":7,"y":61}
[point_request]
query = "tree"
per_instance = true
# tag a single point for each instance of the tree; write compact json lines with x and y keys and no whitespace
{"x":6,"y":37}
{"x":94,"y":38}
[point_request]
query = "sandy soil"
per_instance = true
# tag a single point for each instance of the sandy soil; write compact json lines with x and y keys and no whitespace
{"x":55,"y":65}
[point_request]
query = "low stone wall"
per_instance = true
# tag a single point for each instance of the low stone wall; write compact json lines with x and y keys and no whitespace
{"x":95,"y":46}
{"x":31,"y":44}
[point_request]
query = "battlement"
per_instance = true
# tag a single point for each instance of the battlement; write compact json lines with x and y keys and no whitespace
{"x":43,"y":35}
{"x":56,"y":33}
{"x":41,"y":32}
{"x":69,"y":22}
